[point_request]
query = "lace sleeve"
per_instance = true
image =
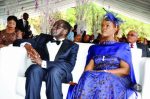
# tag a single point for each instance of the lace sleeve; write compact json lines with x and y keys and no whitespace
{"x":1,"y":37}
{"x":1,"y":40}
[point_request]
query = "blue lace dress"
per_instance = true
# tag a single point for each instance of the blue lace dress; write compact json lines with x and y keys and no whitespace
{"x":97,"y":84}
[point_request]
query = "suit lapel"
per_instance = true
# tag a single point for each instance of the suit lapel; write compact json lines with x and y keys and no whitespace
{"x":22,"y":22}
{"x":63,"y":49}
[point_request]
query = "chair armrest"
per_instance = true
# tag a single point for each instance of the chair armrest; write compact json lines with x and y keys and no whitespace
{"x":146,"y":79}
{"x":137,"y":87}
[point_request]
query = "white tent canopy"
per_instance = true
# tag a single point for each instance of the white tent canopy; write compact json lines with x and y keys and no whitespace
{"x":137,"y":9}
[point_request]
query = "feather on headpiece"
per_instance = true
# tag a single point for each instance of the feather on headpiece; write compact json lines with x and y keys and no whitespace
{"x":111,"y":17}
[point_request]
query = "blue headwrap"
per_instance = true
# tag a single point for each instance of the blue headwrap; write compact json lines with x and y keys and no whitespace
{"x":111,"y":17}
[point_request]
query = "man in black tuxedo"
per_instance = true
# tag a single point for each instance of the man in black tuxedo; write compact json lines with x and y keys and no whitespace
{"x":132,"y":38}
{"x":24,"y":26}
{"x":53,"y":64}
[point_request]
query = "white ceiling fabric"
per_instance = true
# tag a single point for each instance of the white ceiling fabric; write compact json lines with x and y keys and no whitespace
{"x":137,"y":9}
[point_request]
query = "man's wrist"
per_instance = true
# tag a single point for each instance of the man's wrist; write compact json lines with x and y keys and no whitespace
{"x":43,"y":64}
{"x":39,"y":62}
{"x":23,"y":44}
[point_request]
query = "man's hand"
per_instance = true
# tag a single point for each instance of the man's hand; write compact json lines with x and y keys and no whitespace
{"x":29,"y":49}
{"x":33,"y":54}
{"x":36,"y":58}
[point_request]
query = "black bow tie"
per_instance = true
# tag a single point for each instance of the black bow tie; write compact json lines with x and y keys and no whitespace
{"x":56,"y":41}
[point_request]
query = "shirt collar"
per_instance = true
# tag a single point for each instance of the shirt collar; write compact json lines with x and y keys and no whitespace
{"x":59,"y":39}
{"x":23,"y":20}
{"x":134,"y":44}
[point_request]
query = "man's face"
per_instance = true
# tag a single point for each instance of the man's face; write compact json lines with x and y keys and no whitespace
{"x":25,"y":17}
{"x":86,"y":38}
{"x":77,"y":38}
{"x":132,"y":37}
{"x":57,"y":30}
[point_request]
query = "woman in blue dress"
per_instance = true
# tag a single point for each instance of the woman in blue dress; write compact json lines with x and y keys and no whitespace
{"x":108,"y":73}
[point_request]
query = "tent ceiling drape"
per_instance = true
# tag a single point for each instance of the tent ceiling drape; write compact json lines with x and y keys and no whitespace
{"x":138,"y":9}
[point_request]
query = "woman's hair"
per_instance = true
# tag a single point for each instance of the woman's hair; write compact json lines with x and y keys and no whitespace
{"x":12,"y":18}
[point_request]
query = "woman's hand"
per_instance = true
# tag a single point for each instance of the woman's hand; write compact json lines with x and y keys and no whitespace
{"x":2,"y":45}
{"x":122,"y":71}
{"x":90,"y":66}
{"x":19,"y":34}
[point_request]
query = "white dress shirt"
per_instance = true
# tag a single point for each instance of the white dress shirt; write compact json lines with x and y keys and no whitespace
{"x":135,"y":51}
{"x":134,"y":45}
{"x":53,"y":50}
{"x":24,"y":22}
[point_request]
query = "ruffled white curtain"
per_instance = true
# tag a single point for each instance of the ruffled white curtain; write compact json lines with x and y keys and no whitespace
{"x":47,"y":9}
{"x":81,"y":9}
{"x":42,"y":6}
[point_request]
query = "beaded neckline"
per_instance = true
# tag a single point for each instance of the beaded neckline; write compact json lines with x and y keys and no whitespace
{"x":107,"y":42}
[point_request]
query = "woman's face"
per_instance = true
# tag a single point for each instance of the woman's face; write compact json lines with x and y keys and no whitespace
{"x":11,"y":24}
{"x":108,"y":29}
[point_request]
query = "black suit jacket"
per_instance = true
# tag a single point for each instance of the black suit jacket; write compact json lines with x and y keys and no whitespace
{"x":23,"y":28}
{"x":145,"y":50}
{"x":65,"y":58}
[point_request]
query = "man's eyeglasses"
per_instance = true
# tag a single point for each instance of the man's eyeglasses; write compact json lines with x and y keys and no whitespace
{"x":57,"y":27}
{"x":133,"y":35}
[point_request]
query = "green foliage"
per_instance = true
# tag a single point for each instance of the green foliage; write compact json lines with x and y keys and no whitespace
{"x":132,"y":24}
{"x":93,"y":16}
{"x":70,"y":16}
{"x":2,"y":27}
{"x":56,"y":15}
